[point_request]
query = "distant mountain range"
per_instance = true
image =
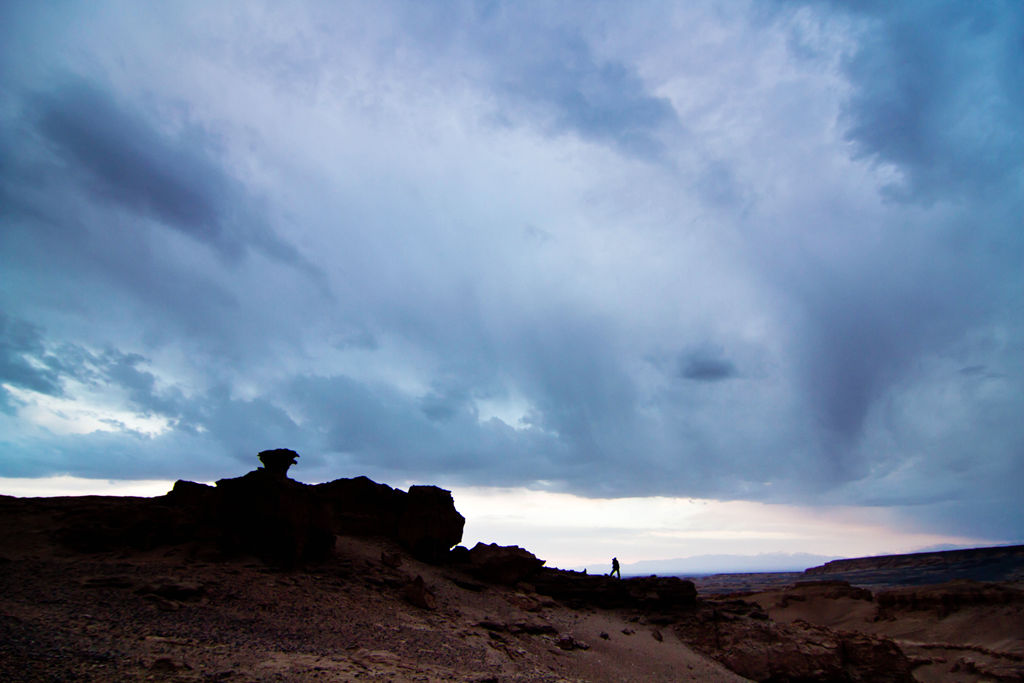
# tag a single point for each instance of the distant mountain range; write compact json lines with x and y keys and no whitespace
{"x":719,"y":564}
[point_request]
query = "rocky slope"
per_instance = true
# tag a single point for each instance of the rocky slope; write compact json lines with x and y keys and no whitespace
{"x":264,"y":578}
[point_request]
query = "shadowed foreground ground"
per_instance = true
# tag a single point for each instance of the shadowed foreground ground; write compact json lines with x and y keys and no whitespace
{"x":78,"y":604}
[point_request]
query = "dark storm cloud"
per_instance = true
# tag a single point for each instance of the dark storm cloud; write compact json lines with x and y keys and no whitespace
{"x":704,"y":367}
{"x":128,"y":162}
{"x":940,"y":93}
{"x":96,"y":192}
{"x":122,"y":158}
{"x":24,"y":362}
{"x":937,"y":96}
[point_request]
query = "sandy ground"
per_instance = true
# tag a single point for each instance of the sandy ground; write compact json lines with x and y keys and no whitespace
{"x":166,"y":615}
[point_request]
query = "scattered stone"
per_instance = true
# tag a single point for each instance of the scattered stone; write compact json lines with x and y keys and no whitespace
{"x":416,"y":593}
{"x":393,"y":560}
{"x":467,"y":584}
{"x":117,"y":581}
{"x":604,"y":636}
{"x":164,"y":665}
{"x":533,"y":628}
{"x":173,"y":589}
{"x":628,"y":631}
{"x":492,"y":625}
{"x":567,"y":642}
{"x":656,"y":634}
{"x":525,"y":602}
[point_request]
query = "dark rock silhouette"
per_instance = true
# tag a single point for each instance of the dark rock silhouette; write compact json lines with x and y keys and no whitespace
{"x":503,"y":564}
{"x":664,"y":595}
{"x":429,"y":525}
{"x":278,"y":519}
{"x":423,"y":520}
{"x":278,"y":460}
{"x":267,"y":514}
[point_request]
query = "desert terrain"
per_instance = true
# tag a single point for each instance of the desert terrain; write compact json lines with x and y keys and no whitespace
{"x":265,"y":579}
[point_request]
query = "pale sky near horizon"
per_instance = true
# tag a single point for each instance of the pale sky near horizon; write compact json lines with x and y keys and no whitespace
{"x":571,"y":532}
{"x":581,"y":257}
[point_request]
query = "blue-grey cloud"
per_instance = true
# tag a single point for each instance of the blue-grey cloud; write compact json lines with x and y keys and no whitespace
{"x":704,"y":367}
{"x":547,"y":69}
{"x":24,"y":362}
{"x":337,"y":251}
{"x":600,"y":100}
{"x":940,"y":94}
{"x":127,"y":162}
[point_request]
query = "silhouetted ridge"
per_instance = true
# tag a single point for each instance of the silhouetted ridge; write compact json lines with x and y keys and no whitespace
{"x":280,"y":520}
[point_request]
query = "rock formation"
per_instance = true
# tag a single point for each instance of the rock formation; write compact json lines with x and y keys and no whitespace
{"x":282,"y":521}
{"x":664,"y":595}
{"x":503,"y":564}
{"x":278,"y":460}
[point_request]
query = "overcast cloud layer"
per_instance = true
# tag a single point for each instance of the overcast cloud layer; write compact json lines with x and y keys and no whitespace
{"x":749,"y":250}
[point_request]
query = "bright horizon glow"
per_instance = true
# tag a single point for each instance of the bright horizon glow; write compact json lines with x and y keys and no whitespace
{"x":571,"y":531}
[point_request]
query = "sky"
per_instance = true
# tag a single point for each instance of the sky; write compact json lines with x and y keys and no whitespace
{"x":678,"y":278}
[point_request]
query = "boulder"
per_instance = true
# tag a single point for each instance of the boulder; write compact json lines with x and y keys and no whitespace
{"x":429,"y":524}
{"x":416,"y":593}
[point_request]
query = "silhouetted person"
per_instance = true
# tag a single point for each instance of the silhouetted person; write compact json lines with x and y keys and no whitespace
{"x":615,"y":568}
{"x":278,"y":461}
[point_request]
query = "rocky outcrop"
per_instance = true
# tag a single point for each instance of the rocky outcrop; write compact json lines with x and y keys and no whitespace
{"x":278,"y":460}
{"x":287,"y":522}
{"x":423,"y":520}
{"x":503,"y":564}
{"x":657,"y":595}
{"x":266,"y":514}
{"x":278,"y":519}
{"x":362,"y":507}
{"x":740,"y":636}
{"x":429,"y":525}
